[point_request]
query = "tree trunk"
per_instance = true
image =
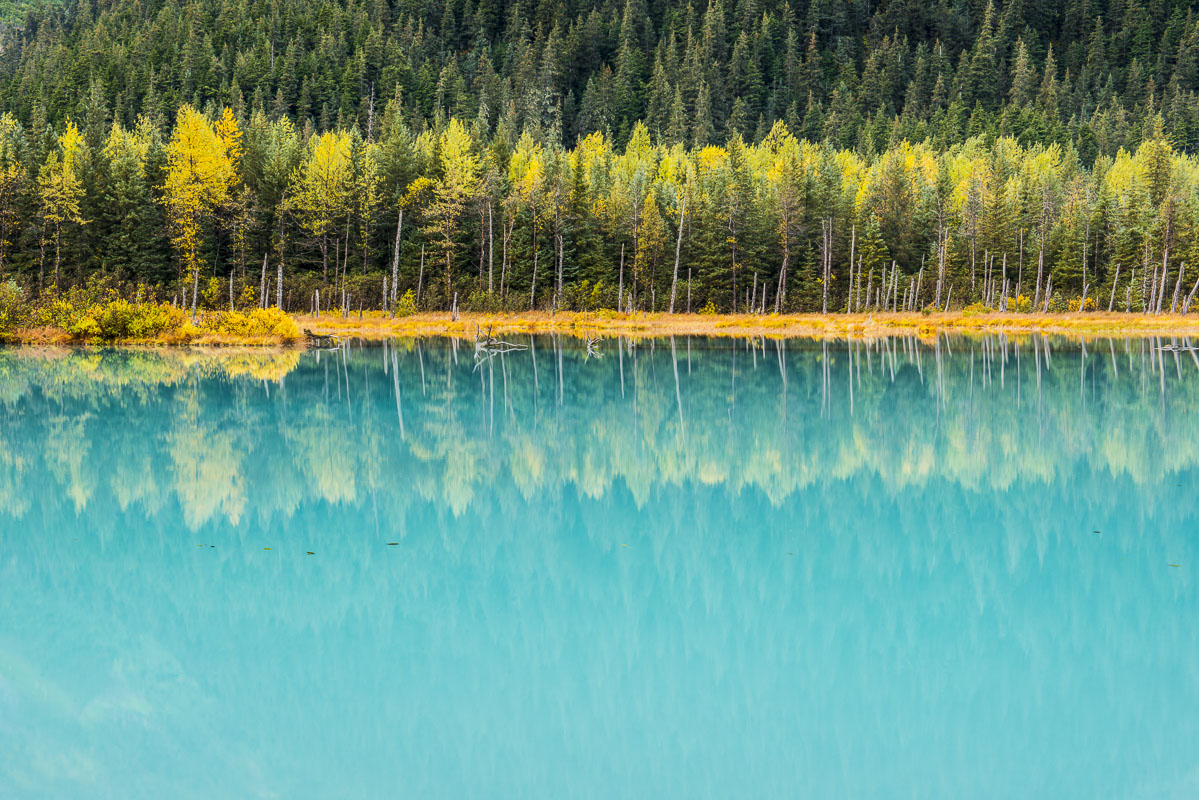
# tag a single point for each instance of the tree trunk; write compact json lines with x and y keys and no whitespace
{"x":420,"y":278}
{"x":533,"y":283}
{"x":395,"y":259}
{"x":780,"y":293}
{"x":58,"y":250}
{"x":620,"y":283}
{"x":262,"y":284}
{"x":678,"y":249}
{"x":853,"y":241}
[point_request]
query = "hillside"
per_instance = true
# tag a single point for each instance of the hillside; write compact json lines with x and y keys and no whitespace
{"x":647,"y":156}
{"x":858,"y":74}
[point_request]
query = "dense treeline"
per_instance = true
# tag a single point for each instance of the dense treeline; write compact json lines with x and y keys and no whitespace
{"x":860,"y":74}
{"x":818,"y":157}
{"x":222,"y":212}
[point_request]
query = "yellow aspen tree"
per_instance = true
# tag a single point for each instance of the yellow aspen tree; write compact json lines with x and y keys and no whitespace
{"x":60,"y":190}
{"x":321,"y":188}
{"x":239,"y":205}
{"x":201,"y":172}
{"x":458,"y":183}
{"x":526,"y":174}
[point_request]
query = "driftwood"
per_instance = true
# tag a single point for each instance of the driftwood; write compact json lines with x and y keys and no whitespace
{"x":322,"y":339}
{"x":488,"y":347}
{"x":593,"y":347}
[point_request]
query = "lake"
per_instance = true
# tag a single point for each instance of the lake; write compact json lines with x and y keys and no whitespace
{"x":685,"y":568}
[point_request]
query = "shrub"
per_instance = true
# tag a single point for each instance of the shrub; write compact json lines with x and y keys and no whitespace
{"x":709,"y":309}
{"x":406,"y":305}
{"x":84,"y":327}
{"x":1023,"y":304}
{"x":259,"y":322}
{"x":122,"y":319}
{"x":276,"y":322}
{"x":14,"y":311}
{"x":974,"y":309}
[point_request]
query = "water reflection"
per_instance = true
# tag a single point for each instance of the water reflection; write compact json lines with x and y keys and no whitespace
{"x":685,"y":568}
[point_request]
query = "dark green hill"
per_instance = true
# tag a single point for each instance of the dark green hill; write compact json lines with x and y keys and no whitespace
{"x":855,"y":73}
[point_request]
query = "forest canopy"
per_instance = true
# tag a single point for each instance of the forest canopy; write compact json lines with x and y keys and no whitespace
{"x":731,"y":156}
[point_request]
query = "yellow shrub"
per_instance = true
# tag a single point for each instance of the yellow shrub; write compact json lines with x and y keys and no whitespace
{"x":259,"y":322}
{"x":84,"y":328}
{"x":121,"y":319}
{"x":406,"y":306}
{"x":974,"y":309}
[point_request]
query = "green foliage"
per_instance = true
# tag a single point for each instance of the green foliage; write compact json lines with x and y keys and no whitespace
{"x":406,"y":305}
{"x":13,"y":310}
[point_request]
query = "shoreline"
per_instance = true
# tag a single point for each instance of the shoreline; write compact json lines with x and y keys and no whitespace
{"x":378,"y":326}
{"x":644,"y":325}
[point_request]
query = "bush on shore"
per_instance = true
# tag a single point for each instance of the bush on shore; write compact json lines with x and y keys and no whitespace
{"x":96,"y":312}
{"x":13,"y":310}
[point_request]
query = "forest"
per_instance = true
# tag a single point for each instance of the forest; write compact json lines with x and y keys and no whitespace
{"x":736,"y":157}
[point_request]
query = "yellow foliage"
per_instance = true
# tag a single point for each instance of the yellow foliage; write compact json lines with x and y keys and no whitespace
{"x":200,"y":177}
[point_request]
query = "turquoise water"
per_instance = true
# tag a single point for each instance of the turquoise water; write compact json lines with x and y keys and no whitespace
{"x":686,"y":569}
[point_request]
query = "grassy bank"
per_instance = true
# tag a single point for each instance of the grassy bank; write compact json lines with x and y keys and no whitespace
{"x":226,"y":330}
{"x":95,"y":314}
{"x":377,"y":326}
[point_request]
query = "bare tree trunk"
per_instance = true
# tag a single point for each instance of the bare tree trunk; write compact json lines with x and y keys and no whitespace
{"x":262,"y":284}
{"x":853,"y":241}
{"x":1191,"y":296}
{"x":780,"y":294}
{"x":919,"y":281}
{"x":940,"y":264}
{"x":827,"y":229}
{"x":420,"y":278}
{"x":1161,"y":291}
{"x":620,"y":283}
{"x":1040,"y":272}
{"x":533,"y":283}
{"x":395,"y":259}
{"x":678,"y":250}
{"x":1178,"y":287}
{"x":1111,"y":303}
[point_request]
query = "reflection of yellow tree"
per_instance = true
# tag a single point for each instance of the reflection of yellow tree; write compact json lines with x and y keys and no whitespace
{"x":207,"y":464}
{"x":67,"y":449}
{"x":458,"y":453}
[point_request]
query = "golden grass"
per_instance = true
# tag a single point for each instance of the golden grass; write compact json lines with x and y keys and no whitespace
{"x":375,"y":325}
{"x":49,"y":336}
